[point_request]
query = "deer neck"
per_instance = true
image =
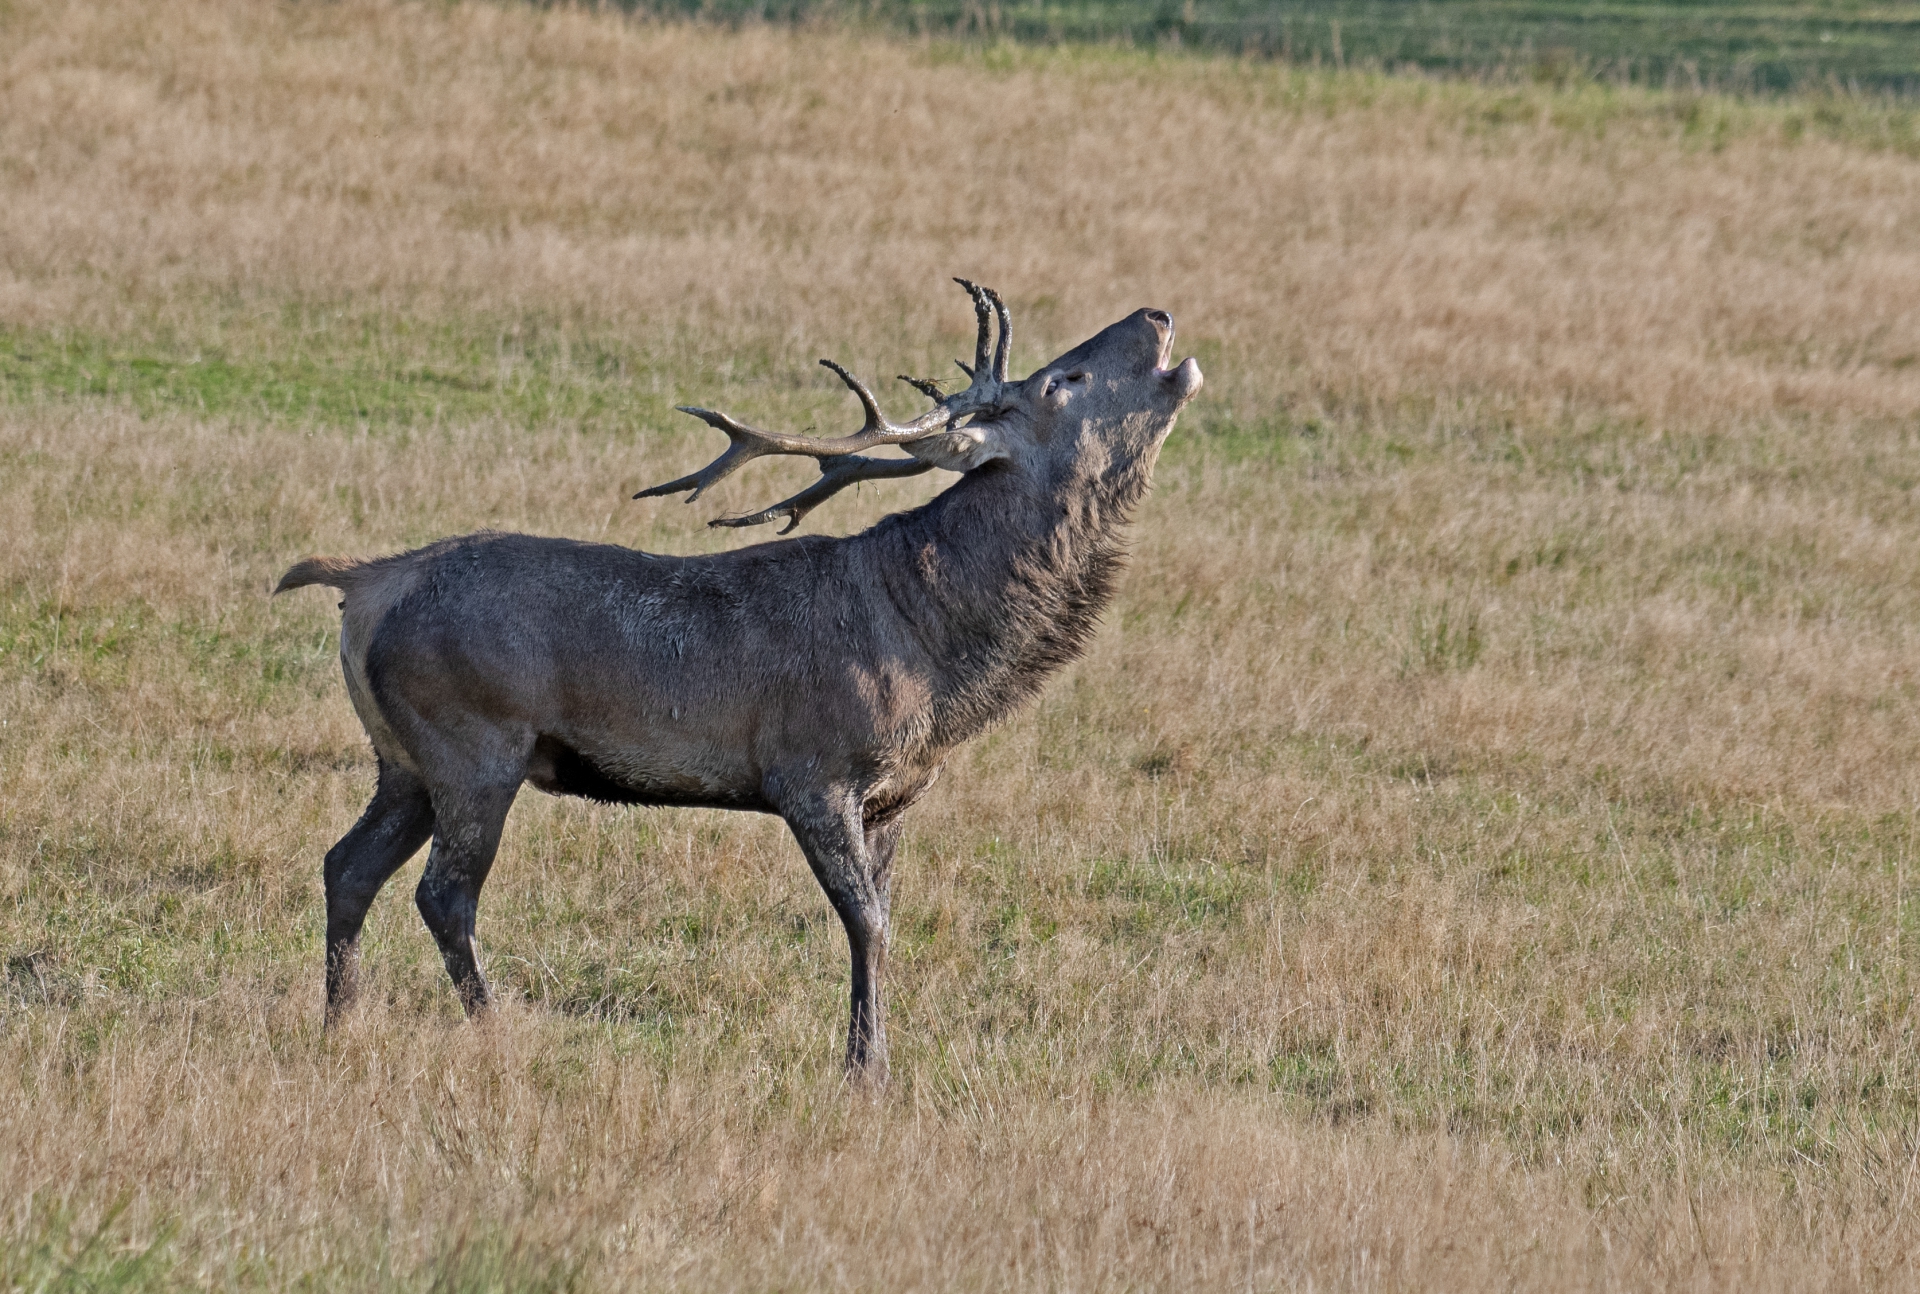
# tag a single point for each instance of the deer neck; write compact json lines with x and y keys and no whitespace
{"x":1003,"y":581}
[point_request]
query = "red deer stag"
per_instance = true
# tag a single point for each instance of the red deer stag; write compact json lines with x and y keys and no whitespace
{"x":825,"y":680}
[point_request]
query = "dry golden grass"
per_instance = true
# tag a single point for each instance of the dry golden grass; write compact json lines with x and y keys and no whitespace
{"x":1476,"y":853}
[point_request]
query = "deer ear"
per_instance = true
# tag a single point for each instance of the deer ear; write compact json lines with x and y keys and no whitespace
{"x":960,"y":450}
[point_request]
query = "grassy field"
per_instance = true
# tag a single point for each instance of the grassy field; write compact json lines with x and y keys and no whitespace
{"x":1478,"y":851}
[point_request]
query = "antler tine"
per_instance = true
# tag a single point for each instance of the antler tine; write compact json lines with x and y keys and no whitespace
{"x":744,"y":444}
{"x":836,"y":474}
{"x":876,"y":421}
{"x":925,"y":386}
{"x":984,"y":302}
{"x":1005,"y":343}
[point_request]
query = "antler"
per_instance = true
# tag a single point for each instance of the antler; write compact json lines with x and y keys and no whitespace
{"x":836,"y":474}
{"x":840,"y":465}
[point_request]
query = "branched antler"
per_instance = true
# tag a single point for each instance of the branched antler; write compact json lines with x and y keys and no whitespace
{"x":840,"y":465}
{"x":836,"y":474}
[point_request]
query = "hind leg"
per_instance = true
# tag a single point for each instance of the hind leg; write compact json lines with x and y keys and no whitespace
{"x":395,"y":825}
{"x":466,"y":837}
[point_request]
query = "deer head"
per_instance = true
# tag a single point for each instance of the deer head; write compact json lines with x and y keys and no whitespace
{"x":1106,"y":403}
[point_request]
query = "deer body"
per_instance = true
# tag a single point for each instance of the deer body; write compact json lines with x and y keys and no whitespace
{"x":824,"y":680}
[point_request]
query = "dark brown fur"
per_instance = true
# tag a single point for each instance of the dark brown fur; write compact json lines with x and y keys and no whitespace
{"x":825,"y":680}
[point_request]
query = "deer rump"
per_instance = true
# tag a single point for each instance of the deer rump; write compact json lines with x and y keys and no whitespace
{"x":825,"y":680}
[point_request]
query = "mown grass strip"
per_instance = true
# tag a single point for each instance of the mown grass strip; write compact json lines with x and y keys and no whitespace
{"x":442,"y":375}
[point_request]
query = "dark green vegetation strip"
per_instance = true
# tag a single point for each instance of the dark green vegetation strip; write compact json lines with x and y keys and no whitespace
{"x":1739,"y":46}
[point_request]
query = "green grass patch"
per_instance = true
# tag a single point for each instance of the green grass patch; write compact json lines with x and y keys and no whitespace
{"x":56,"y":1255}
{"x":375,"y":372}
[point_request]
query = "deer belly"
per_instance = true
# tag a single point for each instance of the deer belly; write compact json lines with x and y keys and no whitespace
{"x":559,"y":769}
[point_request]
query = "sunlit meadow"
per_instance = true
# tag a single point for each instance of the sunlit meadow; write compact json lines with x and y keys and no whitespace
{"x":1478,"y":851}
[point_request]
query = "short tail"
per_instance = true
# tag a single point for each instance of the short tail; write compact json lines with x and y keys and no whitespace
{"x":333,"y":572}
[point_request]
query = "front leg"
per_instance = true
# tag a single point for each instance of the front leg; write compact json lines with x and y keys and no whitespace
{"x":853,"y":865}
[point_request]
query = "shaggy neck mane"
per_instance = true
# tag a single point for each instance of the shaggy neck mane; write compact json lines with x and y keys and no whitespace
{"x":1005,"y":582}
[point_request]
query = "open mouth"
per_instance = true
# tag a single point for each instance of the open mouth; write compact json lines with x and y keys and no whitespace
{"x":1184,"y":378}
{"x":1165,"y":320}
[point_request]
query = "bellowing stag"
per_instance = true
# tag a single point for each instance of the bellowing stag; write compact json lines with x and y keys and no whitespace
{"x":825,"y":680}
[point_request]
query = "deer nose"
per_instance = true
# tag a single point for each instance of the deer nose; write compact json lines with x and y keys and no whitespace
{"x":1162,"y":324}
